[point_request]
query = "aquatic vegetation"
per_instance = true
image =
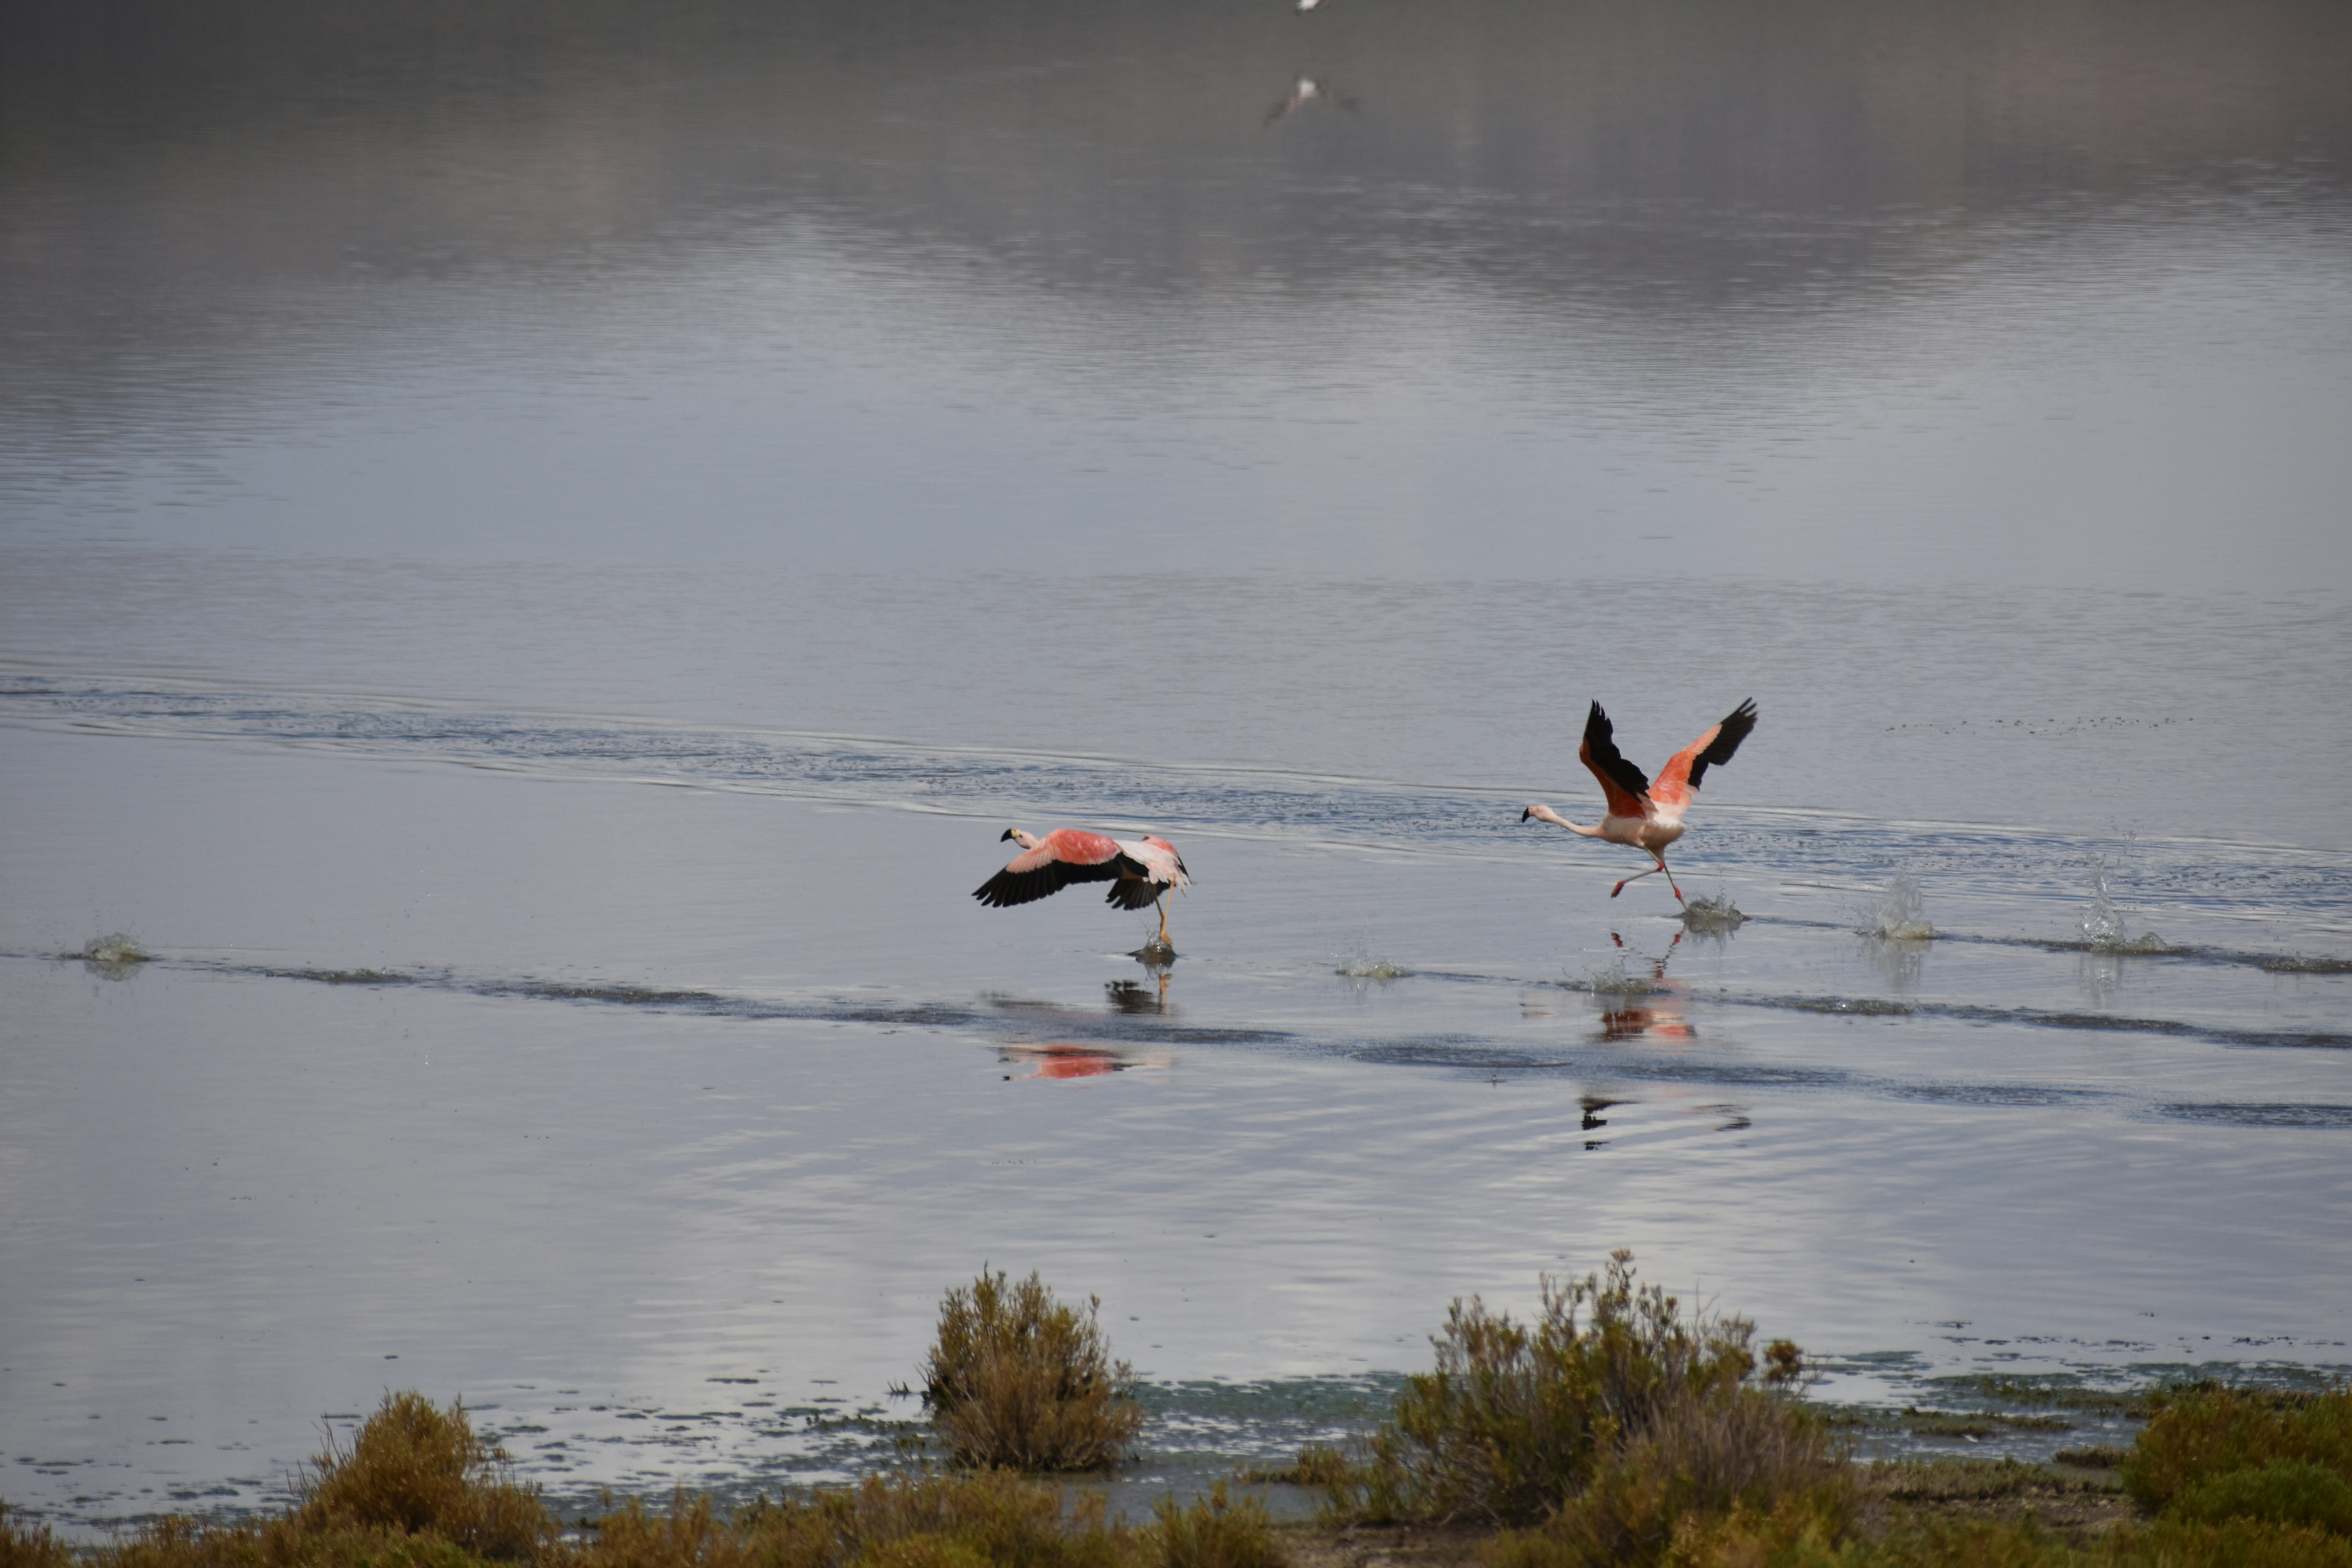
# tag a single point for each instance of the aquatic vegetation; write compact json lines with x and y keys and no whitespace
{"x":2304,"y":963}
{"x":1713,"y":915}
{"x":1899,"y":912}
{"x":1020,"y":1379}
{"x":1608,"y":1416}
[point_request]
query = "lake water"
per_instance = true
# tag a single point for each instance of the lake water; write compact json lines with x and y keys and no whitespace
{"x":539,"y":555}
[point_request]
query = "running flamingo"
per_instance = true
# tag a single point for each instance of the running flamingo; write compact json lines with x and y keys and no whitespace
{"x":1139,"y":870}
{"x":1642,"y":815}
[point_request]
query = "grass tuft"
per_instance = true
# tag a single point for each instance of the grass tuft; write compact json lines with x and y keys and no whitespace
{"x":1023,"y":1381}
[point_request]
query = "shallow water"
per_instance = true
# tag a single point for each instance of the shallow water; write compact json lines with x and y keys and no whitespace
{"x":536,"y":564}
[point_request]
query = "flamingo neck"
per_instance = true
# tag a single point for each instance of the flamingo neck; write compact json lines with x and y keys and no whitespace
{"x":1557,"y":820}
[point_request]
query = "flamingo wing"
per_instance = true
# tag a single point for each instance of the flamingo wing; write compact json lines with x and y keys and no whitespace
{"x":1063,"y":857}
{"x":1626,"y":785}
{"x":1689,"y":765}
{"x":1161,"y":868}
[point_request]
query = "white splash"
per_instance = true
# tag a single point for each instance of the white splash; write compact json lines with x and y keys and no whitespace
{"x":1713,"y":916}
{"x":1618,"y":979}
{"x":1899,"y":914}
{"x":1360,"y":963}
{"x":2103,"y":925}
{"x":116,"y":948}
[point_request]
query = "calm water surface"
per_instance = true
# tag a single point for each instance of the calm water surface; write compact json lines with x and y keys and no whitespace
{"x":538,"y":556}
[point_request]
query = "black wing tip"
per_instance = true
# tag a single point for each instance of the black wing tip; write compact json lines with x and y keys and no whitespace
{"x":1129,"y":894}
{"x":1728,"y":734}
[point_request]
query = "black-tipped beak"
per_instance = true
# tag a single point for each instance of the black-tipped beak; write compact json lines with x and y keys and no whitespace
{"x":1007,"y":833}
{"x":1526,"y":814}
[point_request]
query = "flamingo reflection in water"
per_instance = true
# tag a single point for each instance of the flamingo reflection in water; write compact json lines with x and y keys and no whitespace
{"x":1654,"y":1011}
{"x":1061,"y":1060}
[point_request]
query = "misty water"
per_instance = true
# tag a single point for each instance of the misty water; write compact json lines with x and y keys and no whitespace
{"x":541,"y":550}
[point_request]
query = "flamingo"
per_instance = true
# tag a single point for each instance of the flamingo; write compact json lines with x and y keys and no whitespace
{"x":1642,"y":815}
{"x":1139,"y":870}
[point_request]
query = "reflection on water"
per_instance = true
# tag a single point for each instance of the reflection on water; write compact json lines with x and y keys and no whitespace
{"x":1058,"y":1061}
{"x":1633,"y":1007}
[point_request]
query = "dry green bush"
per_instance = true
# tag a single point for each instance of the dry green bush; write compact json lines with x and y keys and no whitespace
{"x":1517,"y":1419}
{"x":2285,"y":1491}
{"x":416,"y":1470}
{"x":1215,"y":1532}
{"x":1021,"y":1380}
{"x":990,"y":1520}
{"x":25,"y":1545}
{"x":1739,"y":1452}
{"x":2211,"y":1430}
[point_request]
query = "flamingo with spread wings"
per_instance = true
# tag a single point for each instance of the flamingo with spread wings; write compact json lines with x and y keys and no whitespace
{"x":1643,"y":815}
{"x":1139,"y":870}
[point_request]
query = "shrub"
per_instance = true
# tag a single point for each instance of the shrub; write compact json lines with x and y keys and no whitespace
{"x":2208,"y":1430}
{"x":1517,"y":1419}
{"x":2285,"y":1491}
{"x":1214,"y":1532}
{"x":416,"y":1470}
{"x":1741,"y":1454}
{"x":1021,"y":1380}
{"x":990,"y":1520}
{"x":2231,"y":1543}
{"x":29,"y":1545}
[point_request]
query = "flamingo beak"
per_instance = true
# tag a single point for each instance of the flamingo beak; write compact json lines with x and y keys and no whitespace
{"x":1526,"y":814}
{"x":1007,"y":833}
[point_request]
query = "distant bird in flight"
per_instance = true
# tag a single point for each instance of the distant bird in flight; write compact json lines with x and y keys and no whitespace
{"x":1139,"y":870}
{"x":1306,"y":91}
{"x":1644,"y":815}
{"x":1306,"y":6}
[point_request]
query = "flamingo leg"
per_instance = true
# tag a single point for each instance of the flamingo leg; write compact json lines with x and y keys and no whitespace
{"x":1653,"y":871}
{"x":1162,"y":901}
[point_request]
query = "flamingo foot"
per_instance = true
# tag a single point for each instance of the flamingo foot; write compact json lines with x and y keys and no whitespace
{"x":1619,"y":888}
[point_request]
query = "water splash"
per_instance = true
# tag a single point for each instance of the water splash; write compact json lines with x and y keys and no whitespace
{"x":1618,"y":979}
{"x":116,"y":955}
{"x":1899,"y":912}
{"x":1360,"y":963}
{"x":1714,"y":916}
{"x":2103,"y":925}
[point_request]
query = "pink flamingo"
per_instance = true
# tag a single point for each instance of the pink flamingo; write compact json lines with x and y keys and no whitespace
{"x":1139,"y":870}
{"x":1642,"y":815}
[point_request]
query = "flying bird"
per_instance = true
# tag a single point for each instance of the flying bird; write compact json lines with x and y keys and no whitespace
{"x":1139,"y":870}
{"x":1306,"y":91}
{"x":1642,"y":815}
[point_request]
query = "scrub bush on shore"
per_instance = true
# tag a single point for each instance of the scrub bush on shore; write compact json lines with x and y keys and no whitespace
{"x":416,"y":1489}
{"x":1020,"y":1379}
{"x":1597,"y":1429}
{"x":1613,"y":1429}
